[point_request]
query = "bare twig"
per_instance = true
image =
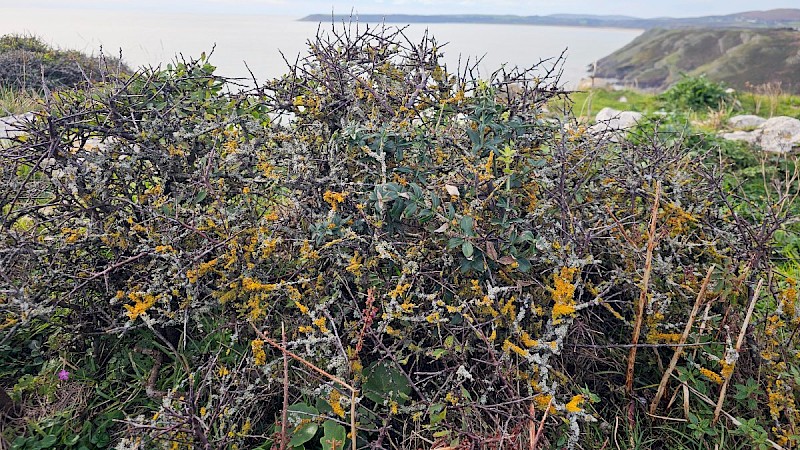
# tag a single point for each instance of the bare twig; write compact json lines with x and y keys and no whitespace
{"x":739,"y":342}
{"x":733,"y":420}
{"x":678,"y":351}
{"x":334,"y":378}
{"x":651,"y":242}
{"x":311,"y":366}
{"x":285,"y":409}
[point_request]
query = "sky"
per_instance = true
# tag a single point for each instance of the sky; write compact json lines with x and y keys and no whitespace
{"x":638,"y":8}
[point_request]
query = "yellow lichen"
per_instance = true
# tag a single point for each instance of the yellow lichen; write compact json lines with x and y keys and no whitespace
{"x":711,"y":375}
{"x":354,"y":265}
{"x":334,"y":198}
{"x":335,"y":401}
{"x":141,"y":303}
{"x":399,"y":290}
{"x":527,"y":341}
{"x":563,"y":294}
{"x":259,"y":355}
{"x":574,"y":405}
{"x":320,"y":323}
{"x":510,"y":347}
{"x":542,"y":401}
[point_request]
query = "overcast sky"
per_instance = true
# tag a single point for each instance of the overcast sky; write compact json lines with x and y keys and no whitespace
{"x":639,"y":8}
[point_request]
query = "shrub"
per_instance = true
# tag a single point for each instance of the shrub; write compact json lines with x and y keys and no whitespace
{"x":27,"y":63}
{"x":418,"y":235}
{"x":698,"y":94}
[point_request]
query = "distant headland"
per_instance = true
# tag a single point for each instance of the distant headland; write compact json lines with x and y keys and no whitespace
{"x":776,"y":18}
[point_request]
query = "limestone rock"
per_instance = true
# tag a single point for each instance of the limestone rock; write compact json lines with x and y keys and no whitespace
{"x":776,"y":135}
{"x":780,"y":134}
{"x":610,"y":120}
{"x":751,"y":137}
{"x":746,"y":122}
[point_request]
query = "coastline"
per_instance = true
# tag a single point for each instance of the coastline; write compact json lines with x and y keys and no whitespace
{"x":505,"y":24}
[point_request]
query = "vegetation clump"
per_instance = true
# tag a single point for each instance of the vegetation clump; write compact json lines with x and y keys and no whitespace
{"x":29,"y":64}
{"x":373,"y":250}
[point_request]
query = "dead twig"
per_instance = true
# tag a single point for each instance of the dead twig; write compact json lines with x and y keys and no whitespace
{"x":637,"y":328}
{"x":285,"y":409}
{"x":334,"y":378}
{"x":679,"y":350}
{"x":739,"y":342}
{"x":733,"y":420}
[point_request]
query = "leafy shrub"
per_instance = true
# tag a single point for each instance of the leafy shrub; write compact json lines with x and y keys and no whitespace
{"x":698,"y":94}
{"x":27,"y":63}
{"x":421,"y":236}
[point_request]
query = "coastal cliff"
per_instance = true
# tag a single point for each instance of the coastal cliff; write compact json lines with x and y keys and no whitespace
{"x":738,"y":57}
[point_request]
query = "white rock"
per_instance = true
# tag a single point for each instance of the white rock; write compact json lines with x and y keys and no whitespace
{"x":745,"y":122}
{"x":10,"y":126}
{"x":618,"y":119}
{"x":777,"y":135}
{"x":751,"y":137}
{"x":780,"y":134}
{"x":612,"y":121}
{"x":623,"y":99}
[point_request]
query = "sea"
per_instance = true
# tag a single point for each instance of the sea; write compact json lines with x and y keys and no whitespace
{"x":247,"y":45}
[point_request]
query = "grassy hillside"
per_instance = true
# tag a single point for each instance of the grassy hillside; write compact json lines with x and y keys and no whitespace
{"x":738,"y":57}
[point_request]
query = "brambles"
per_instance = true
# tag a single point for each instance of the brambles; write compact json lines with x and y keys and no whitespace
{"x":442,"y":248}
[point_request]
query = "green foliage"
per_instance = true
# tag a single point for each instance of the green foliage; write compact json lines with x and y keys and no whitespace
{"x":588,"y":103}
{"x":420,"y":235}
{"x":697,"y":94}
{"x":29,"y":64}
{"x":17,"y":101}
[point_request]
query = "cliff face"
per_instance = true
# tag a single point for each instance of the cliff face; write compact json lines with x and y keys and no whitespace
{"x":657,"y":58}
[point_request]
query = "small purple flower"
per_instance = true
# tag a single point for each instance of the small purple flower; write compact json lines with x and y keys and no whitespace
{"x":63,"y":375}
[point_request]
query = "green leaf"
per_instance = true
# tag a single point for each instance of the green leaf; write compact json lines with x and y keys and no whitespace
{"x":524,"y":265}
{"x":467,"y":226}
{"x":454,"y":242}
{"x":301,"y":411}
{"x":385,"y":382}
{"x":334,"y":436}
{"x":303,"y":434}
{"x":467,"y":249}
{"x":438,"y":353}
{"x":437,"y":413}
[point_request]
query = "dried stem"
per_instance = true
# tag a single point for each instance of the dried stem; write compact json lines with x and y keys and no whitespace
{"x":334,"y":378}
{"x":739,"y":342}
{"x":534,"y":432}
{"x":285,"y":409}
{"x":648,"y":267}
{"x":733,"y":420}
{"x":311,"y":366}
{"x":679,"y":350}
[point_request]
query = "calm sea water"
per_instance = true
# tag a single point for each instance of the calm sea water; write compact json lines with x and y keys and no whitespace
{"x":153,"y":39}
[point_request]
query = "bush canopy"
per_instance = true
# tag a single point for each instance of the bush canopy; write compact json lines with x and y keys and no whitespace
{"x":371,"y":249}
